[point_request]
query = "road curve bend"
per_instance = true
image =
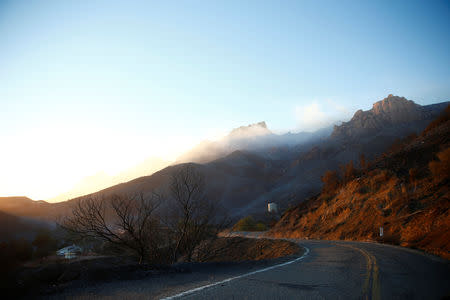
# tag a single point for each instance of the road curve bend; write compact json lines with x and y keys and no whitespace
{"x":338,"y":270}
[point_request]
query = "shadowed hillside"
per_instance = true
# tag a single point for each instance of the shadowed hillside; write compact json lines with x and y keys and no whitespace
{"x":12,"y":227}
{"x":23,"y":206}
{"x":405,"y":191}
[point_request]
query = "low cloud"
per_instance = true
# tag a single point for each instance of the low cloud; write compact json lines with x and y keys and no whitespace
{"x":315,"y":115}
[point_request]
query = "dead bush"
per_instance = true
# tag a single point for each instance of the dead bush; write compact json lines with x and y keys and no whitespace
{"x":441,"y":168}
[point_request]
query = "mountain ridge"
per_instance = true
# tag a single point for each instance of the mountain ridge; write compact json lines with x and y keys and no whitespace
{"x":253,"y":137}
{"x":388,"y":112}
{"x":245,"y":180}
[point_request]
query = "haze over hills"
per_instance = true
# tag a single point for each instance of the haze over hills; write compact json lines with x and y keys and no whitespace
{"x":253,"y":166}
{"x":102,"y":180}
{"x":24,"y":206}
{"x":254,"y":137}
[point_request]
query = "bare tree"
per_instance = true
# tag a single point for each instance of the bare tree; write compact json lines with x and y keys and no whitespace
{"x":194,"y":216}
{"x":122,"y":220}
{"x":136,"y":222}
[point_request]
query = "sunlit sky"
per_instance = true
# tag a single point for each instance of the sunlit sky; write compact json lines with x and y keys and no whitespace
{"x":98,"y":86}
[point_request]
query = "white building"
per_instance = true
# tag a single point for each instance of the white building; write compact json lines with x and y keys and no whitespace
{"x":272,"y":207}
{"x":69,"y":251}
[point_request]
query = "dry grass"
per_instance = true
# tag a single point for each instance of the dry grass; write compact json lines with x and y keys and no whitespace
{"x":418,"y":219}
{"x":240,"y":249}
{"x":413,"y":210}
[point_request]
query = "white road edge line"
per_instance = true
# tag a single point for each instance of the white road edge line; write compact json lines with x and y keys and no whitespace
{"x":236,"y":277}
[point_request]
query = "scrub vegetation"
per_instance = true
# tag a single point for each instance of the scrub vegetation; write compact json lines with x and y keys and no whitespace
{"x":249,"y":224}
{"x":405,"y":191}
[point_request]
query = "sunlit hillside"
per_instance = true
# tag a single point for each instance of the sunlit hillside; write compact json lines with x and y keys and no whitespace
{"x":405,"y":191}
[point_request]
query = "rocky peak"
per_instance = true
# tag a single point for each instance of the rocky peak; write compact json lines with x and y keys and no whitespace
{"x":399,"y":108}
{"x":256,"y":129}
{"x":389,"y":111}
{"x":242,"y":138}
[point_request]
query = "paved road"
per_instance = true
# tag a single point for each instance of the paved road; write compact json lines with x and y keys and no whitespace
{"x":342,"y":270}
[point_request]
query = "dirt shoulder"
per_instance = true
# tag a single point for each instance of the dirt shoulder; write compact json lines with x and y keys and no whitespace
{"x":213,"y":259}
{"x":235,"y":249}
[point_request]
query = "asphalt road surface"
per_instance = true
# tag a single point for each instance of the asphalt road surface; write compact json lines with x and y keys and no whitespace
{"x":328,"y":270}
{"x":339,"y":270}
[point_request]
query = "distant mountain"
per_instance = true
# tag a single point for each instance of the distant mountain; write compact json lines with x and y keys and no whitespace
{"x":250,"y":131}
{"x":254,"y":137}
{"x":24,"y":206}
{"x":102,"y":180}
{"x":390,"y":113}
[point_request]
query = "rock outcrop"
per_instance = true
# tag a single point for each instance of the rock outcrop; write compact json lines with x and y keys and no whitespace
{"x":251,"y":130}
{"x":385,"y":113}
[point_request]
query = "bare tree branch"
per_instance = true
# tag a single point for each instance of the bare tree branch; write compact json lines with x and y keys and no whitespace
{"x":194,"y":216}
{"x":127,"y":221}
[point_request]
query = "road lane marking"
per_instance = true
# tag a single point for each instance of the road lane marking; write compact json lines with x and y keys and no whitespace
{"x":376,"y":289}
{"x":371,"y":275}
{"x":236,"y":277}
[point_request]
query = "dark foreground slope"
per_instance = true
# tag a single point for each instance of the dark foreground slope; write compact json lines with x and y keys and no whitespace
{"x":406,"y":192}
{"x":13,"y":227}
{"x":59,"y":278}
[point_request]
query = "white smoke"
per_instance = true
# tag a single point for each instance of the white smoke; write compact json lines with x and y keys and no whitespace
{"x":315,"y":115}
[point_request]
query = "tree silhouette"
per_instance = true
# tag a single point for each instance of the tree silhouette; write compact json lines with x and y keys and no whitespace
{"x":194,"y":217}
{"x":122,"y":220}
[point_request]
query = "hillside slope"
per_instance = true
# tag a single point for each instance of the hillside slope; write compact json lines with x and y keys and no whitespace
{"x":405,"y":191}
{"x":244,"y":181}
{"x":26,"y":207}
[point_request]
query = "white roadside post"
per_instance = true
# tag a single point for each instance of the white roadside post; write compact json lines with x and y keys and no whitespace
{"x":381,"y":231}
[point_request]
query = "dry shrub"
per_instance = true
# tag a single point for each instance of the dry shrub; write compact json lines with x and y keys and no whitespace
{"x":390,"y":238}
{"x":249,"y":224}
{"x":240,"y":249}
{"x":413,"y":174}
{"x":440,"y":169}
{"x":364,"y":189}
{"x":330,"y":181}
{"x":349,"y":172}
{"x":378,"y":179}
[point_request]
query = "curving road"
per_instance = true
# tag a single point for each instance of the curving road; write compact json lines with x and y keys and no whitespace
{"x":338,"y":270}
{"x":328,"y":270}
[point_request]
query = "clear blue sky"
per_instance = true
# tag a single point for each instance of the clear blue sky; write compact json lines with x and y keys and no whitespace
{"x":76,"y":76}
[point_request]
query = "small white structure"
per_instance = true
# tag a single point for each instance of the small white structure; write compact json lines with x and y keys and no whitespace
{"x":69,"y":251}
{"x":272,"y":207}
